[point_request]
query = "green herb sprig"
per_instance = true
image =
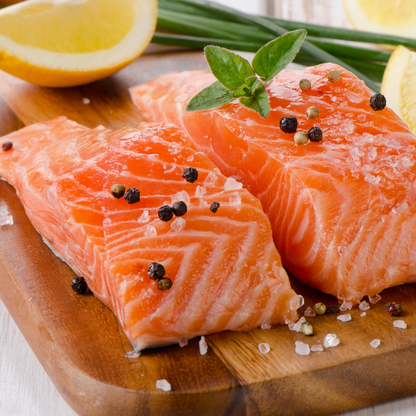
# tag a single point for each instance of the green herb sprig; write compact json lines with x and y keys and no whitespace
{"x":238,"y":79}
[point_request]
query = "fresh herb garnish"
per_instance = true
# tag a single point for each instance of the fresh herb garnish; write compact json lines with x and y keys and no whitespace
{"x":237,"y":79}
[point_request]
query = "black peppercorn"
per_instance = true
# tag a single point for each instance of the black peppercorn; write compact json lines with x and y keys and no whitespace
{"x":165,"y":213}
{"x":289,"y":124}
{"x":164,"y":284}
{"x":214,"y":207}
{"x":394,"y":308}
{"x":7,"y":146}
{"x":190,"y":175}
{"x":377,"y":102}
{"x":79,"y":285}
{"x":156,"y":271}
{"x":132,"y":195}
{"x":332,"y":309}
{"x":179,"y":208}
{"x":315,"y":134}
{"x":118,"y":190}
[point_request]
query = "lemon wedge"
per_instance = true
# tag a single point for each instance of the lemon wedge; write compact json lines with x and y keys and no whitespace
{"x":399,"y":85}
{"x":393,"y":17}
{"x":61,"y":43}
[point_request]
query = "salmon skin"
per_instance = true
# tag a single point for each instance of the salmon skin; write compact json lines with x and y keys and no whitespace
{"x":225,"y":270}
{"x":342,"y":210}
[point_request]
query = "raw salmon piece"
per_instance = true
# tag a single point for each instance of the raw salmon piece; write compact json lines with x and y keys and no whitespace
{"x":342,"y":210}
{"x":225,"y":269}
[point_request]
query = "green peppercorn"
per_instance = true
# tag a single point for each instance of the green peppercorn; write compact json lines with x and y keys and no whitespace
{"x":301,"y":138}
{"x":156,"y":271}
{"x":307,"y":328}
{"x":304,"y":84}
{"x":319,"y":308}
{"x":334,"y":75}
{"x":79,"y":285}
{"x":164,"y":284}
{"x":118,"y":190}
{"x":312,"y":112}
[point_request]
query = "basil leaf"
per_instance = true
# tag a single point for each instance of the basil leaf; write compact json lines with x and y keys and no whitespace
{"x":259,"y":101}
{"x":277,"y":54}
{"x":211,"y":97}
{"x":230,"y":69}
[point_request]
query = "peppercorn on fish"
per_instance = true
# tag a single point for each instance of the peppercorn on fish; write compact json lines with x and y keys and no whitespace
{"x":343,"y":208}
{"x":215,"y":271}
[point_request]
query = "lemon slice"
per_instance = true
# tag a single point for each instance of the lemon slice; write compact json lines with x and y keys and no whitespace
{"x":399,"y":85}
{"x":393,"y":17}
{"x":61,"y":43}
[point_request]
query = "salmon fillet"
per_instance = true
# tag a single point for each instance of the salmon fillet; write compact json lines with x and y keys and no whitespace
{"x":225,"y":270}
{"x":342,"y":210}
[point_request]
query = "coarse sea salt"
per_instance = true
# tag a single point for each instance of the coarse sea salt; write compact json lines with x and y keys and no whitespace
{"x":374,"y":299}
{"x":264,"y":348}
{"x":375,"y":343}
{"x":183,"y":342}
{"x":317,"y":348}
{"x":132,"y":354}
{"x":296,"y":303}
{"x":266,"y":324}
{"x":363,"y":314}
{"x":203,"y":346}
{"x":200,"y":191}
{"x":163,"y":385}
{"x":364,"y":306}
{"x":144,"y":218}
{"x":346,"y":306}
{"x":331,"y":340}
{"x":400,"y":324}
{"x":344,"y":318}
{"x":5,"y":217}
{"x":298,"y":325}
{"x":178,"y":224}
{"x":150,"y":231}
{"x":231,"y":184}
{"x":301,"y":348}
{"x":210,"y":179}
{"x":86,"y":100}
{"x":309,"y":312}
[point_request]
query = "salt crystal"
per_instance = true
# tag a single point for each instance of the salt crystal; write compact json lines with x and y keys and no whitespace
{"x":231,"y":184}
{"x":169,"y":167}
{"x":183,"y":342}
{"x":346,"y":306}
{"x":264,"y":348}
{"x":309,"y":312}
{"x":302,"y":349}
{"x":298,"y":325}
{"x":364,"y":306}
{"x":5,"y":217}
{"x":203,"y":346}
{"x":190,"y":158}
{"x":266,"y":324}
{"x":210,"y":179}
{"x":163,"y":385}
{"x":317,"y":348}
{"x":235,"y":200}
{"x":132,"y":354}
{"x":344,"y":318}
{"x":375,"y":343}
{"x":399,"y":324}
{"x":150,"y":231}
{"x":144,"y":217}
{"x":200,"y":191}
{"x":374,"y":299}
{"x":181,"y":196}
{"x":331,"y":340}
{"x":178,"y":225}
{"x":364,"y":314}
{"x":296,"y":302}
{"x":85,"y":100}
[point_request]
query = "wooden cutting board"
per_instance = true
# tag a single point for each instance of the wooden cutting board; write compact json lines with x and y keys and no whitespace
{"x":82,"y":347}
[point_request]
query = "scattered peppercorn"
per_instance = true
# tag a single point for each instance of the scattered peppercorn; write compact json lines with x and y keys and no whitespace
{"x":118,"y":190}
{"x":307,"y":328}
{"x":289,"y":124}
{"x":304,"y":84}
{"x":333,"y":310}
{"x":334,"y":75}
{"x":132,"y":195}
{"x":315,"y":134}
{"x":394,"y":308}
{"x":7,"y":146}
{"x":79,"y":285}
{"x":301,"y":138}
{"x":164,"y":284}
{"x":214,"y":207}
{"x":179,"y":208}
{"x":319,"y":308}
{"x":190,"y":175}
{"x":378,"y":102}
{"x":165,"y":213}
{"x":156,"y":271}
{"x":312,"y":112}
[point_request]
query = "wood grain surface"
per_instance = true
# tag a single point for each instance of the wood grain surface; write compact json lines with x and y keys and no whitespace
{"x":81,"y":346}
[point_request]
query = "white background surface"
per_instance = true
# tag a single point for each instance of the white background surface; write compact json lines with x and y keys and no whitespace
{"x":25,"y":389}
